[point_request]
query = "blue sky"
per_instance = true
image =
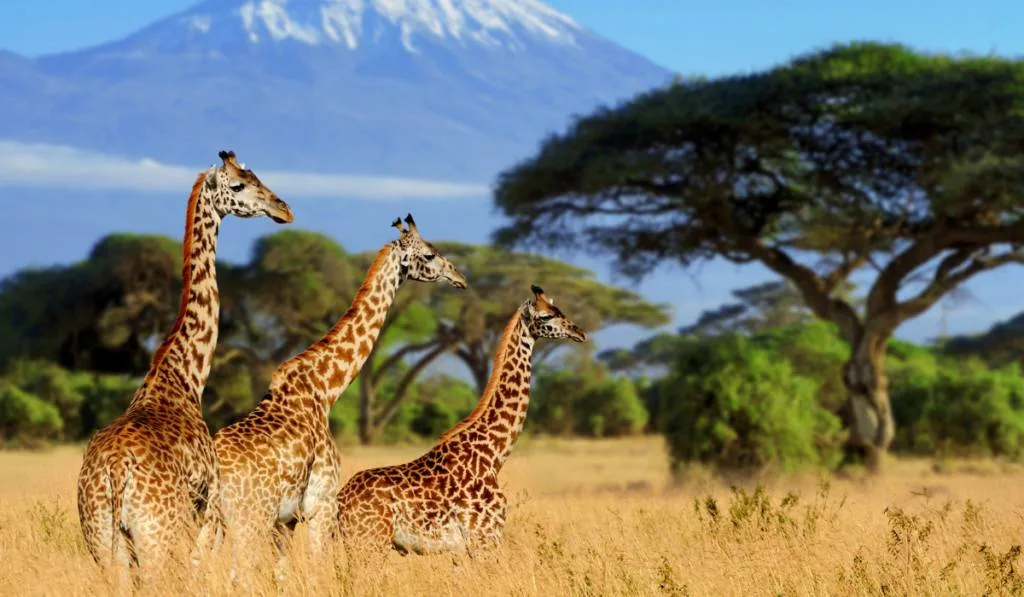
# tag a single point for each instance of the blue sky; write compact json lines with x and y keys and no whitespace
{"x":708,"y":37}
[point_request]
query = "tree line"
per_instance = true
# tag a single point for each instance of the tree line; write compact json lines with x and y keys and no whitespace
{"x":75,"y":337}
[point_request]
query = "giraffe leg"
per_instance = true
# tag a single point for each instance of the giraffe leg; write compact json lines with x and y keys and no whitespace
{"x":211,"y":530}
{"x":487,"y":524}
{"x":282,"y":535}
{"x":323,"y":525}
{"x":248,"y":544}
{"x":109,"y":546}
{"x":320,"y":501}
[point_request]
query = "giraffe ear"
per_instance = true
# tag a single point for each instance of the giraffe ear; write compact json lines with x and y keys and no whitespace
{"x":412,"y":224}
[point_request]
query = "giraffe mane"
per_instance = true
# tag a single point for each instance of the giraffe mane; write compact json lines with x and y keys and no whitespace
{"x":186,"y":278}
{"x":485,"y":399}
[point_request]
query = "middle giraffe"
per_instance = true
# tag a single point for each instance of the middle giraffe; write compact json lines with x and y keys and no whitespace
{"x":278,"y":465}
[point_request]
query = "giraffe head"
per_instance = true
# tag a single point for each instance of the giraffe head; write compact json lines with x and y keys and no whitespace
{"x":237,"y":191}
{"x":420,"y":260}
{"x":545,"y":320}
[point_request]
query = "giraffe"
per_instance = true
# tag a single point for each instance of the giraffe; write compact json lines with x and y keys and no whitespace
{"x":449,"y":499}
{"x":278,"y":465}
{"x":152,"y":471}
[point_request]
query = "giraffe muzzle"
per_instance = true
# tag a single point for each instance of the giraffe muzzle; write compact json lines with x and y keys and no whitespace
{"x":456,"y":279}
{"x":280,"y":212}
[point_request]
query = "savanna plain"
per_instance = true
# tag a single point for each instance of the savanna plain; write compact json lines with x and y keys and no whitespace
{"x":605,"y":518}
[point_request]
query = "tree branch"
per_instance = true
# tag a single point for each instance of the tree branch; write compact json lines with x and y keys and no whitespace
{"x":947,"y":277}
{"x":389,"y":410}
{"x":934,"y":240}
{"x":394,"y":358}
{"x":812,"y":287}
{"x":843,"y":271}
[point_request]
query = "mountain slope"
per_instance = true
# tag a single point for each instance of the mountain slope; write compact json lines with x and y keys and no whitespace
{"x":427,"y":88}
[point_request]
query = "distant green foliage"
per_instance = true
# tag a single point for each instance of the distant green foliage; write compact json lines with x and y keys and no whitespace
{"x":734,"y":405}
{"x":434,"y":405}
{"x":25,"y":418}
{"x":958,"y":409}
{"x":43,"y":401}
{"x":106,"y":314}
{"x":1003,"y":343}
{"x":584,"y":399}
{"x":814,"y":350}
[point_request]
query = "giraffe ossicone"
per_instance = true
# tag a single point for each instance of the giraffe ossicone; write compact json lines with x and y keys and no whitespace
{"x":152,"y":471}
{"x":449,"y":498}
{"x":279,"y":464}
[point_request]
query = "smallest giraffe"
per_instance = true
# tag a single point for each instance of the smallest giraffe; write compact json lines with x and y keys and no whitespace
{"x":449,"y":499}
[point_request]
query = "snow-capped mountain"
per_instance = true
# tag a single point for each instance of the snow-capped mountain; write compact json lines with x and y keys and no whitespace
{"x":357,"y":22}
{"x":426,"y":88}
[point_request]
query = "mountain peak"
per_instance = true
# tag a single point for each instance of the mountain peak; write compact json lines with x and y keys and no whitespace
{"x":353,"y":23}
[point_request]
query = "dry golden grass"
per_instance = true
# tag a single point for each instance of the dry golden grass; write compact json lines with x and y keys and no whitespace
{"x":599,"y":518}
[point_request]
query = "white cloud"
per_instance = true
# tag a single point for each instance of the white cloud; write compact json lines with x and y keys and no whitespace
{"x":61,"y":167}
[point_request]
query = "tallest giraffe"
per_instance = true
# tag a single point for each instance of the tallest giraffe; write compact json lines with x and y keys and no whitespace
{"x":153,"y":470}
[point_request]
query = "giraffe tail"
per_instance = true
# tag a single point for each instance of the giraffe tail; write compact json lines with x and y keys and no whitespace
{"x":118,"y":474}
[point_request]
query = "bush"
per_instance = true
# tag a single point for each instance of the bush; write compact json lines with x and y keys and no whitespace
{"x":731,"y":404}
{"x":54,"y":386}
{"x":815,"y":350}
{"x":585,"y":400}
{"x":959,"y":409}
{"x":82,"y":402}
{"x":26,"y":418}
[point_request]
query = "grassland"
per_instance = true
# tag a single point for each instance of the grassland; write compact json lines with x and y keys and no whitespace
{"x":602,"y":518}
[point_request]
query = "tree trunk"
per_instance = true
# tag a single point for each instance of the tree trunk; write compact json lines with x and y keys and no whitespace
{"x":870,"y":412}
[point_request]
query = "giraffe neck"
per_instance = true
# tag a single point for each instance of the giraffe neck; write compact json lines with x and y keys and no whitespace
{"x":184,"y":358}
{"x":317,"y":376}
{"x":493,"y":427}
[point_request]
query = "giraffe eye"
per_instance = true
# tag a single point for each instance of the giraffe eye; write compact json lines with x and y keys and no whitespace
{"x":429,"y":257}
{"x":546,"y":317}
{"x":237,"y":187}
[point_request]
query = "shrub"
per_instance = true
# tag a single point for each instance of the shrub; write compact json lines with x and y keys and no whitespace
{"x":959,"y":409}
{"x":585,"y":401}
{"x":26,"y":418}
{"x":731,"y":404}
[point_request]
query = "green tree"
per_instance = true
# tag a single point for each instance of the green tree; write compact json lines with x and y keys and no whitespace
{"x":102,"y":314}
{"x":958,"y":408}
{"x":859,"y":155}
{"x":760,"y":307}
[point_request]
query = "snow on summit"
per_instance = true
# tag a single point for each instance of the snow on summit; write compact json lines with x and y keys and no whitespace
{"x":356,"y":22}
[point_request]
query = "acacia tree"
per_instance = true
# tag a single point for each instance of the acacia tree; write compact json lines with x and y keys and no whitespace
{"x":861,"y":156}
{"x":468,"y":324}
{"x":103,"y":313}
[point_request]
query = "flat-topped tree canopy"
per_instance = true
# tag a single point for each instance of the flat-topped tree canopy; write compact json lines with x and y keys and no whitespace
{"x":859,"y":155}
